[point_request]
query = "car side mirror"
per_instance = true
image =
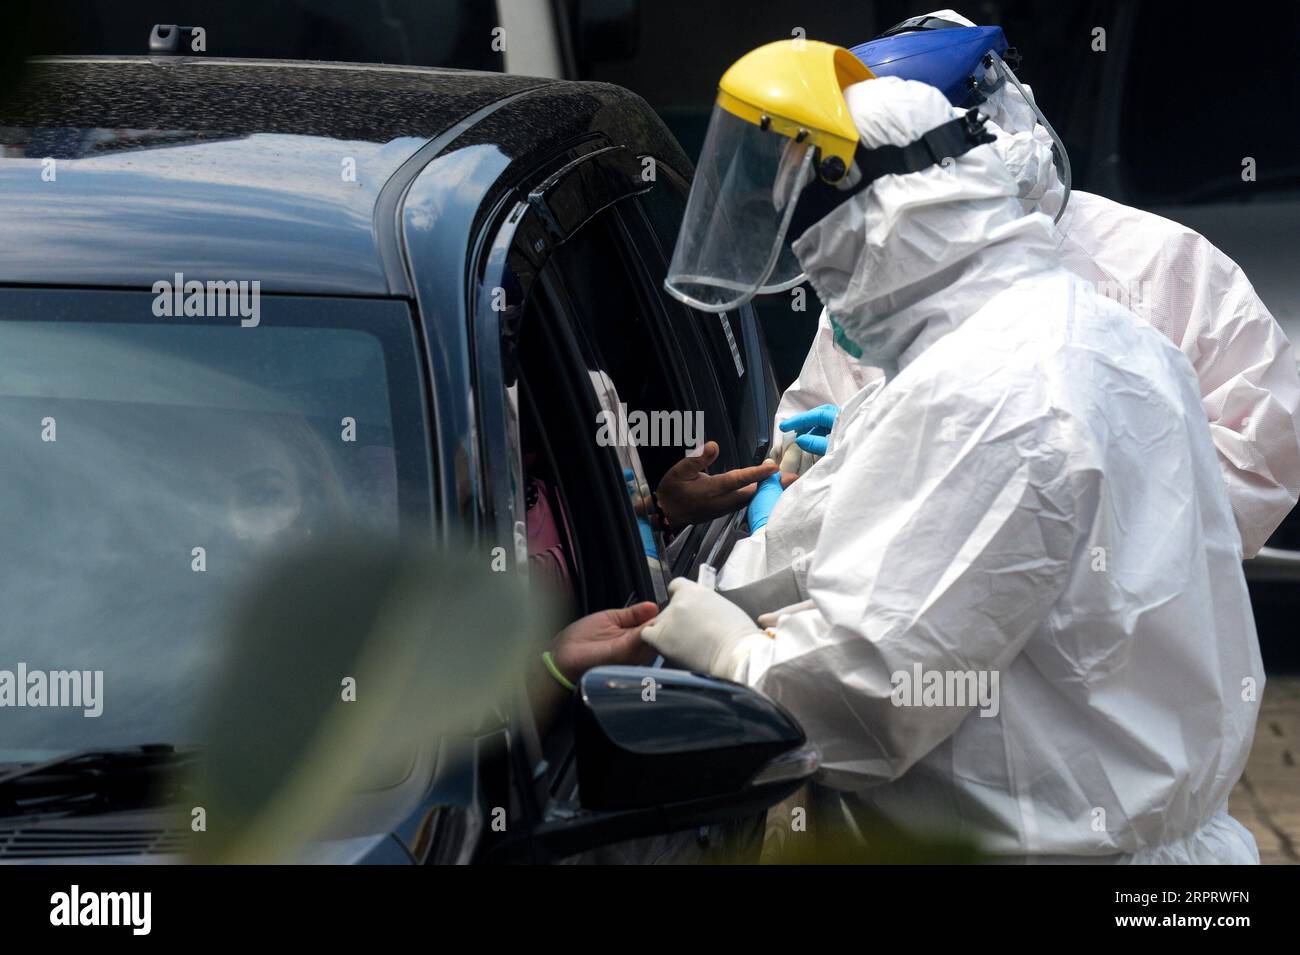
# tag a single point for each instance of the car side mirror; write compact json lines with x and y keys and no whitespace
{"x":665,"y":750}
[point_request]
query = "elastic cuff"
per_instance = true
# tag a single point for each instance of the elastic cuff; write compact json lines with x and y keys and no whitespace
{"x":554,"y":671}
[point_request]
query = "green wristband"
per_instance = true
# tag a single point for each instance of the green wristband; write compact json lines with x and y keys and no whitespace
{"x":560,"y":678}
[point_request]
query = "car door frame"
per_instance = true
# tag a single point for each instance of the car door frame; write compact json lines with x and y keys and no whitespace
{"x":545,"y":206}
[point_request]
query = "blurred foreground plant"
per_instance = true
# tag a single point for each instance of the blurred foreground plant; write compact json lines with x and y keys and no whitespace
{"x":346,"y":666}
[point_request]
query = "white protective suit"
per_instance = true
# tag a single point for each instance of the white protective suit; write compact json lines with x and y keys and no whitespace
{"x":1033,"y":493}
{"x":1173,"y":278}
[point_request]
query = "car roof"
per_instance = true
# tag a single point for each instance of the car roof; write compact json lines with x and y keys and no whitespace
{"x":121,"y":171}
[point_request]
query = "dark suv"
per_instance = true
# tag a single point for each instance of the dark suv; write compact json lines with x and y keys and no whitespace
{"x":211,"y":269}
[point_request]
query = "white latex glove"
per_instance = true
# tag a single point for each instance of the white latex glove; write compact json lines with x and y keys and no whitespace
{"x":704,"y":631}
{"x":773,"y":617}
{"x":789,"y":457}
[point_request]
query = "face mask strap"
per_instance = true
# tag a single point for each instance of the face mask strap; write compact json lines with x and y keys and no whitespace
{"x":846,"y":344}
{"x":954,"y":138}
{"x":948,"y":141}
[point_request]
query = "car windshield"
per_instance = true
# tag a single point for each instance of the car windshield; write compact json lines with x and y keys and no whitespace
{"x":149,"y":462}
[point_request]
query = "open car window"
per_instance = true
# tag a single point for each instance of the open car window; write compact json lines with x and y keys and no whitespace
{"x":647,"y":411}
{"x":724,"y":351}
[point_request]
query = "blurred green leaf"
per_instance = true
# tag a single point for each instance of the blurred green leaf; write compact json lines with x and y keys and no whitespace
{"x":435,"y":644}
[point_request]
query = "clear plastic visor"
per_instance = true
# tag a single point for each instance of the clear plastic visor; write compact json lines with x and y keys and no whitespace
{"x":732,"y":244}
{"x":994,"y":78}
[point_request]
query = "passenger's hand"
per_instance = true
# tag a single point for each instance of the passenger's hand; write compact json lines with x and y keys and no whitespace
{"x":688,"y":494}
{"x":606,"y":638}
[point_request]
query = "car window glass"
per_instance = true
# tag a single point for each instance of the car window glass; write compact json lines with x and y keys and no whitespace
{"x":713,"y":346}
{"x":647,"y":409}
{"x":150,"y":464}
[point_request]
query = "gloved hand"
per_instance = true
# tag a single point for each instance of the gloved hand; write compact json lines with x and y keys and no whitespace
{"x":641,"y":506}
{"x":760,"y":507}
{"x":789,"y":457}
{"x":642,"y":503}
{"x":703,"y":631}
{"x":812,"y":428}
{"x":773,"y":617}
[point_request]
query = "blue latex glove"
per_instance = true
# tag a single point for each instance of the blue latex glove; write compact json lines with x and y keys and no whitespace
{"x":764,"y":499}
{"x":642,"y":525}
{"x":647,"y":538}
{"x":812,"y":428}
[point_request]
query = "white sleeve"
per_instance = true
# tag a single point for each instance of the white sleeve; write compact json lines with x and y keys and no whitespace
{"x":946,"y":540}
{"x":1249,"y":385}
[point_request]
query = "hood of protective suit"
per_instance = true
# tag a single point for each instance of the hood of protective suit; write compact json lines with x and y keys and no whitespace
{"x":907,"y":259}
{"x":951,"y":16}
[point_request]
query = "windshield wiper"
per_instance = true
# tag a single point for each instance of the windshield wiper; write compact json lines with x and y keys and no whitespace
{"x":96,"y":780}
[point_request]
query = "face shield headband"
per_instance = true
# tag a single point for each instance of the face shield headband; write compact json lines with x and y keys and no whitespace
{"x":948,"y":141}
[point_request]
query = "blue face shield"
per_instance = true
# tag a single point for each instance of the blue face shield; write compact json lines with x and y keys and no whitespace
{"x":955,"y":60}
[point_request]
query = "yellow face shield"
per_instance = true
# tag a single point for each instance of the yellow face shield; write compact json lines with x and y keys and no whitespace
{"x":780,"y":121}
